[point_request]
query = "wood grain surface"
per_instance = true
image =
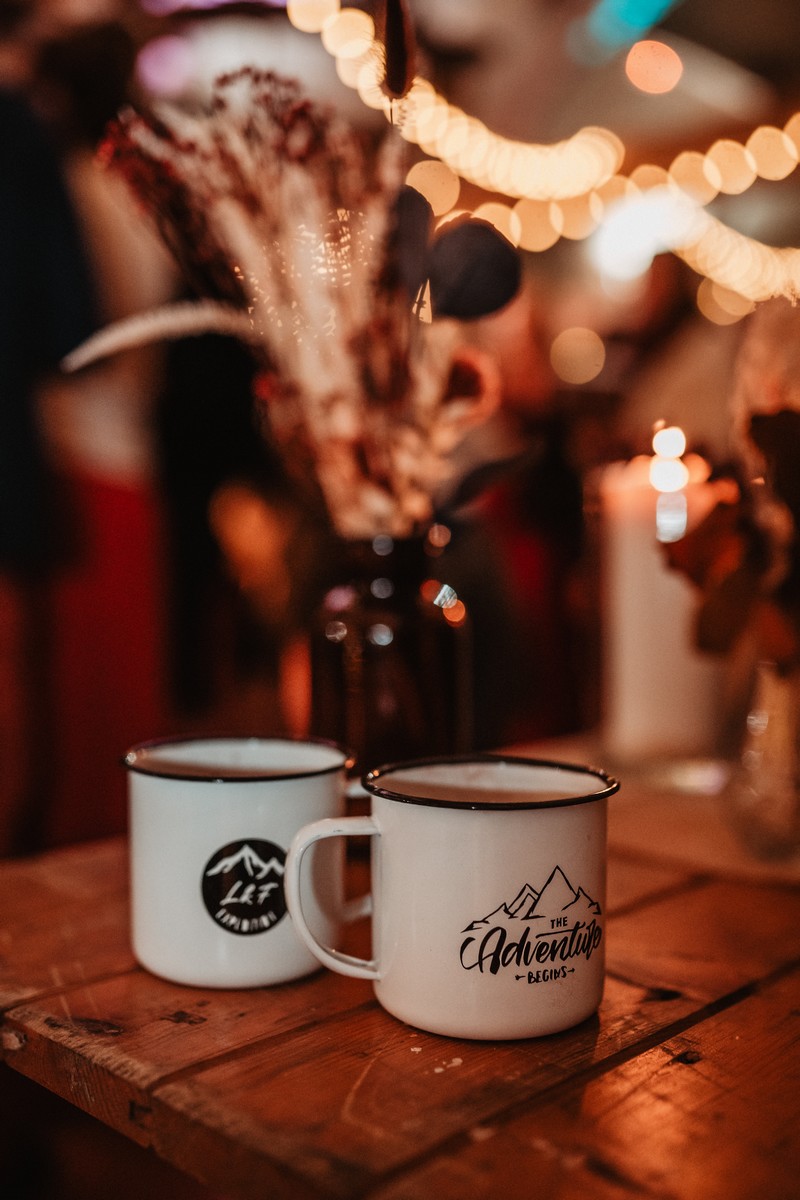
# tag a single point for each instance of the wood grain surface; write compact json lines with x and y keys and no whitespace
{"x":683,"y":1086}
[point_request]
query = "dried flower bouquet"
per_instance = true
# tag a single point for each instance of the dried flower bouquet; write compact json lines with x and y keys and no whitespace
{"x":289,"y":224}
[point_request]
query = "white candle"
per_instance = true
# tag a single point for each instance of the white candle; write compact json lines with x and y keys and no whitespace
{"x":660,"y":695}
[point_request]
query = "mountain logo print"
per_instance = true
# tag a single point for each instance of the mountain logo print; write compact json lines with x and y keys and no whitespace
{"x":242,"y":886}
{"x":541,"y":934}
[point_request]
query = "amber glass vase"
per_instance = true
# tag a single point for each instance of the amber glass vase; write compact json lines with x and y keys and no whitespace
{"x":391,"y":673}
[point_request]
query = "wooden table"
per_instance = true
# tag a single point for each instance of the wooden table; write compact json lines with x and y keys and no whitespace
{"x":686,"y":1085}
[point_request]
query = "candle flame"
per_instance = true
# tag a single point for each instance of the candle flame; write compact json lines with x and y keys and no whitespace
{"x":668,"y":474}
{"x":669,"y":441}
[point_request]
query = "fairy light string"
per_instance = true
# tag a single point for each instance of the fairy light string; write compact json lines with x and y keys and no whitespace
{"x":567,"y":188}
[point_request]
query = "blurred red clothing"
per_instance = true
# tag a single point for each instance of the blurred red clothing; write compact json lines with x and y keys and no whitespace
{"x":108,"y":658}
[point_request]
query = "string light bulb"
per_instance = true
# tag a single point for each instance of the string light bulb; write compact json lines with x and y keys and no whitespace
{"x":571,"y":175}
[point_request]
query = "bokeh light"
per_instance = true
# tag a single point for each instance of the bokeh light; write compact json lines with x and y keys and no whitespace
{"x":668,"y":474}
{"x":503,"y":218}
{"x":310,"y":16}
{"x":688,"y":173}
{"x":540,"y":224}
{"x":437,"y":183}
{"x":730,"y":166}
{"x":773,"y":152}
{"x":653,"y":67}
{"x":577,"y":355}
{"x":567,"y":188}
{"x":721,"y":305}
{"x":578,"y":217}
{"x":348,"y":34}
{"x":669,"y":441}
{"x":638,"y":228}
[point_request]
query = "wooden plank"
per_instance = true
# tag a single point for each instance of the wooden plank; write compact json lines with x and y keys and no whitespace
{"x":105,"y":1045}
{"x":682,"y":951}
{"x":688,"y":828}
{"x":709,"y":1115}
{"x":63,"y":919}
{"x":630,"y":882}
{"x":707,"y":940}
{"x":330,"y":1110}
{"x":31,"y":888}
{"x":309,"y":1088}
{"x":258,"y":1056}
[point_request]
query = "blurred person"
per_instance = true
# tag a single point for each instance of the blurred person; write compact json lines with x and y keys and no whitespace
{"x":108,"y":608}
{"x":229,"y":517}
{"x":517,"y":518}
{"x":47,"y":306}
{"x":146,"y":438}
{"x":679,"y":365}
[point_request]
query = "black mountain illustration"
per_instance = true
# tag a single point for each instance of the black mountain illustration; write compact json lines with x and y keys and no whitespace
{"x":523,"y":902}
{"x":558,"y":898}
{"x":583,"y":900}
{"x":252,"y":863}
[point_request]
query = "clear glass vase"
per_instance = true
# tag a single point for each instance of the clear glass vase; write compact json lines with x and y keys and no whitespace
{"x":390,"y":653}
{"x":766,"y":785}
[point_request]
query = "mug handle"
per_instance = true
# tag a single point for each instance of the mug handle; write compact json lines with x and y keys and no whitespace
{"x":336,"y":960}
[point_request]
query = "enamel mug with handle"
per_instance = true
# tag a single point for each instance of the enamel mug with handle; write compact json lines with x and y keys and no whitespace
{"x":488,"y":893}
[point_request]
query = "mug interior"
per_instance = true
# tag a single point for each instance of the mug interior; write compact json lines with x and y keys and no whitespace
{"x":490,"y":782}
{"x":221,"y":758}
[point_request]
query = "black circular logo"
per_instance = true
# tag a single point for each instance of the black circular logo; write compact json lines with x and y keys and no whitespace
{"x":243,"y":886}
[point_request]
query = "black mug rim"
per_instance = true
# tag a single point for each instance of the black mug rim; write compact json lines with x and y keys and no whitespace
{"x":371,"y":783}
{"x":223,"y":776}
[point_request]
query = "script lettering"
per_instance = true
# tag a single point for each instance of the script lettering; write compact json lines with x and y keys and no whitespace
{"x":496,"y":950}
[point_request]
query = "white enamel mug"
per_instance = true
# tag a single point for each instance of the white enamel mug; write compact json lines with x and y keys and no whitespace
{"x":210,"y":823}
{"x":488,"y":893}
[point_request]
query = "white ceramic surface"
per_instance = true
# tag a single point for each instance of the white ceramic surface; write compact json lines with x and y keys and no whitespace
{"x":210,"y":822}
{"x":488,"y":893}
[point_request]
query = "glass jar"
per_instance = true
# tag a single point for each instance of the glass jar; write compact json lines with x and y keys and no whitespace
{"x":765,"y":792}
{"x":390,"y":653}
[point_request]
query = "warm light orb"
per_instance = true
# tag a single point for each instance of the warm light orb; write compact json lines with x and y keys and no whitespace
{"x":653,"y":67}
{"x":578,"y":217}
{"x":668,"y":474}
{"x":732,"y":164}
{"x":669,"y":441}
{"x":774,"y":153}
{"x":309,"y":16}
{"x":471,"y":158}
{"x":687,"y":172}
{"x":580,"y":167}
{"x":503,"y":218}
{"x":455,"y":614}
{"x":792,"y":130}
{"x":540,"y":224}
{"x":721,"y":305}
{"x":453,"y":142}
{"x":370,"y":92}
{"x":437,"y":183}
{"x":577,"y":355}
{"x":636,"y":229}
{"x":430,"y":116}
{"x":348,"y":33}
{"x":615,"y":190}
{"x":349,"y":70}
{"x":647,"y":177}
{"x":730,"y":301}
